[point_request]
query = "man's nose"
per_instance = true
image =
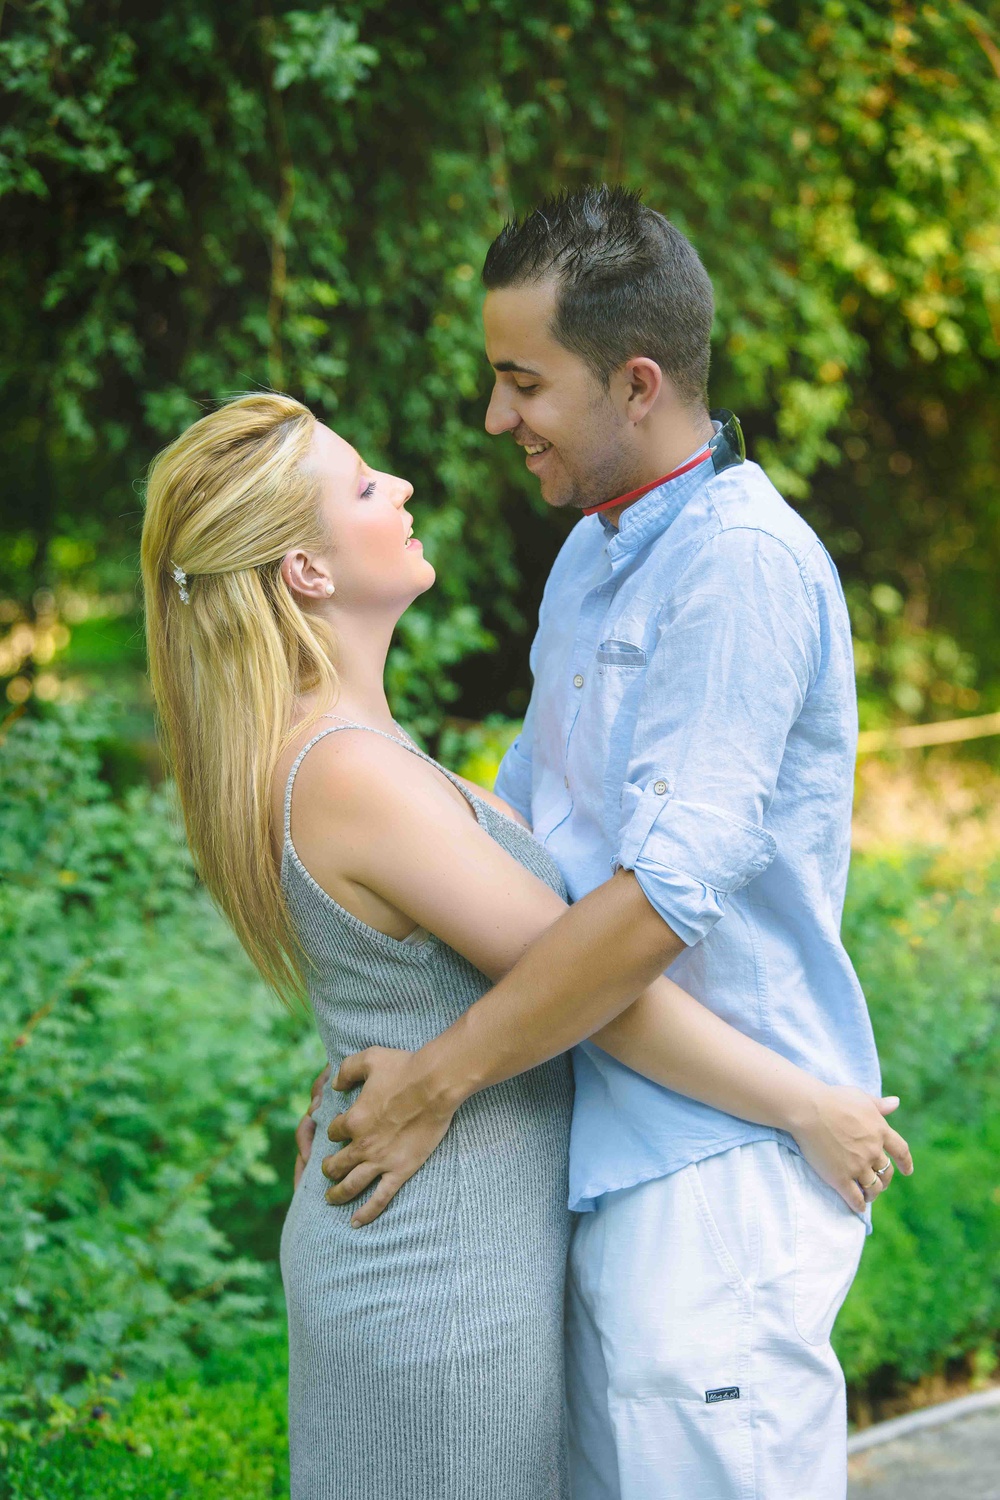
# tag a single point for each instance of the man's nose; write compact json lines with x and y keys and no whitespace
{"x":500,"y":414}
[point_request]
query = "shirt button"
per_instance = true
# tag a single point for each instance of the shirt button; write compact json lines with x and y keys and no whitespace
{"x":578,"y":680}
{"x":659,"y":787}
{"x":566,"y":782}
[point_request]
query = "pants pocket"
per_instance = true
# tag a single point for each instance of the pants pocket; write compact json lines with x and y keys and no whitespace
{"x":829,"y":1238}
{"x":725,"y":1193}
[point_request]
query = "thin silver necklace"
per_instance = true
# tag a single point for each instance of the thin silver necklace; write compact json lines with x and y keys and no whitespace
{"x":359,"y":725}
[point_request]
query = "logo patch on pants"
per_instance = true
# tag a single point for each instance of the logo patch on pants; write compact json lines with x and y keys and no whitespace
{"x":723,"y":1393}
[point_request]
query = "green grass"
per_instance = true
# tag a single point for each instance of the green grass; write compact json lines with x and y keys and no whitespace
{"x":216,"y":1434}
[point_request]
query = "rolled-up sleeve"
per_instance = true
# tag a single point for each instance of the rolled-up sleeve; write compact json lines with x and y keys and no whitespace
{"x":738,"y":649}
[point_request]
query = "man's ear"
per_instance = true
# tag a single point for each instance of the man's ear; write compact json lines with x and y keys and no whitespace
{"x":644,"y":381}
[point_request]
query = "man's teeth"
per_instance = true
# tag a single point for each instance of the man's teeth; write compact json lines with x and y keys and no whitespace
{"x":536,"y":448}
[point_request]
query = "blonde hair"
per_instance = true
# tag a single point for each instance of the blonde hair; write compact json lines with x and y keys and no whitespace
{"x":224,"y":503}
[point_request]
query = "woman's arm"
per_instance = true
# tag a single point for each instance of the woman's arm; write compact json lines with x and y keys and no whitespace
{"x":395,"y":826}
{"x":669,"y":1037}
{"x":495,"y":801}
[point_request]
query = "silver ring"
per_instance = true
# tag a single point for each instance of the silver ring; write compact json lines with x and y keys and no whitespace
{"x":880,"y":1171}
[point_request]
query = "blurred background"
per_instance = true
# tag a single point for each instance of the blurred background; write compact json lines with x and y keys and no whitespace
{"x":199,"y":199}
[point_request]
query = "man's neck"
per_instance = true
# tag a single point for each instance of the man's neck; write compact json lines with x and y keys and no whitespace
{"x":676,"y":443}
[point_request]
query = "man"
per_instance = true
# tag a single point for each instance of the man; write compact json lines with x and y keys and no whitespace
{"x":687,"y":758}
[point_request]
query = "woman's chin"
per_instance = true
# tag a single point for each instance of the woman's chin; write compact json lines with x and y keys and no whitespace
{"x":420,"y":580}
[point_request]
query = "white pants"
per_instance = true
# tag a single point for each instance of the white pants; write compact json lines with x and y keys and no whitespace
{"x":699,"y":1312}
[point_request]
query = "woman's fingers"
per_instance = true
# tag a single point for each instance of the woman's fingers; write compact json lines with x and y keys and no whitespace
{"x":852,"y":1196}
{"x":305,"y":1130}
{"x":354,"y":1183}
{"x":897,"y":1148}
{"x":304,"y":1133}
{"x":316,"y":1093}
{"x":893,"y":1142}
{"x":379,"y":1200}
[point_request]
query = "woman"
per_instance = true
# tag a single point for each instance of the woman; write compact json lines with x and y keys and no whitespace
{"x":425,"y":1352}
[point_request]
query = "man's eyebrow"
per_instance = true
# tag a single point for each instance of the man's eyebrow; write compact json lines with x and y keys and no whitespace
{"x":508,"y":367}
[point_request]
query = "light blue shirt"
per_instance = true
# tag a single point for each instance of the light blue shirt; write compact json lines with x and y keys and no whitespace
{"x":693,"y":719}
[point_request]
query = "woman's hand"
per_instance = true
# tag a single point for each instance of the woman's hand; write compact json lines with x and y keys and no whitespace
{"x":306,"y":1128}
{"x":846,"y":1139}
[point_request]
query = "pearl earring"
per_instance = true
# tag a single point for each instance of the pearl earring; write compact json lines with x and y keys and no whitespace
{"x":329,"y":589}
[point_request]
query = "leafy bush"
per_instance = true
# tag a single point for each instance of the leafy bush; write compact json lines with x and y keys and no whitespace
{"x":149,"y":1089}
{"x":210,"y":1438}
{"x":926,"y":943}
{"x":207,"y":197}
{"x":143,"y":1070}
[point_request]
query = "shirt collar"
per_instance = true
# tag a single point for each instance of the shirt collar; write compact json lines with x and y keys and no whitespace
{"x":653,"y":513}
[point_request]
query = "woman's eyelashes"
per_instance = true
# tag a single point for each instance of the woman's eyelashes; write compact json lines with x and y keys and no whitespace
{"x":369,"y":489}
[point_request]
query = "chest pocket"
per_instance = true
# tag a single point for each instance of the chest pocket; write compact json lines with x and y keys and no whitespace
{"x":614,"y":653}
{"x":620,"y":670}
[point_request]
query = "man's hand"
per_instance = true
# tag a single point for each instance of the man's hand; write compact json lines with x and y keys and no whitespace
{"x":392,"y":1127}
{"x":306,"y":1128}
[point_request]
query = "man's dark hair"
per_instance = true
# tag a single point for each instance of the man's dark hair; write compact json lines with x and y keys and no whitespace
{"x":629,"y":283}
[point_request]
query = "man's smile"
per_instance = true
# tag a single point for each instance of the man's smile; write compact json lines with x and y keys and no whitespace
{"x":533,"y":457}
{"x":533,"y":452}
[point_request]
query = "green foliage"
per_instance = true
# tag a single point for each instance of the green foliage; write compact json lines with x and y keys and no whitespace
{"x":213,"y":1437}
{"x":149,"y":1090}
{"x":476,"y":750}
{"x":142,"y":1071}
{"x":904,"y":665}
{"x":926,"y":944}
{"x":203,"y":197}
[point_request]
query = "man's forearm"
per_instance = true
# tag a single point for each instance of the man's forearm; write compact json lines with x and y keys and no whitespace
{"x":575,"y":978}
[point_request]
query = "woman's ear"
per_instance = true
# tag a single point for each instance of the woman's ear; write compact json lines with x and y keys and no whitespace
{"x":306,"y":576}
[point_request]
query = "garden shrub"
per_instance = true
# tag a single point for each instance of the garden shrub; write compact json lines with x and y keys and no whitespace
{"x":220,"y":1435}
{"x":925,"y":939}
{"x":149,"y":1088}
{"x":143,"y":1072}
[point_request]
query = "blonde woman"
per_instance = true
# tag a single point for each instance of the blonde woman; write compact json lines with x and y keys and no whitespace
{"x":425,"y":1348}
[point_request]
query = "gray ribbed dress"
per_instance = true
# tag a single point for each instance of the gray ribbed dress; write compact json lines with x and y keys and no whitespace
{"x":426,"y":1349}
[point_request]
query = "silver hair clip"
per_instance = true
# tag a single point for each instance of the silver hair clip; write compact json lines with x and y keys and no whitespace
{"x":182,"y":580}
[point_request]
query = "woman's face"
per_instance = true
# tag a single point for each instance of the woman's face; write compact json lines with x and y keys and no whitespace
{"x":373,"y":561}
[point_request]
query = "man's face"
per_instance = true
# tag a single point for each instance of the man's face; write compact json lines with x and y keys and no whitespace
{"x":548,"y":398}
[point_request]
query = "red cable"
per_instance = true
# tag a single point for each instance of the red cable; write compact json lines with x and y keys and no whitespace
{"x":591,"y":510}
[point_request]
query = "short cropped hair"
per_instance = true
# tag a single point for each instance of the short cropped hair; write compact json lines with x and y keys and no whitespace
{"x":629,"y":283}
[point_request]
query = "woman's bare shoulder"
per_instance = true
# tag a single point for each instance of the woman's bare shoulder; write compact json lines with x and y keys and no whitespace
{"x":356,"y":776}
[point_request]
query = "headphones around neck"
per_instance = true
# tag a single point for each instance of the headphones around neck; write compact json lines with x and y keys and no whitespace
{"x":727,"y":446}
